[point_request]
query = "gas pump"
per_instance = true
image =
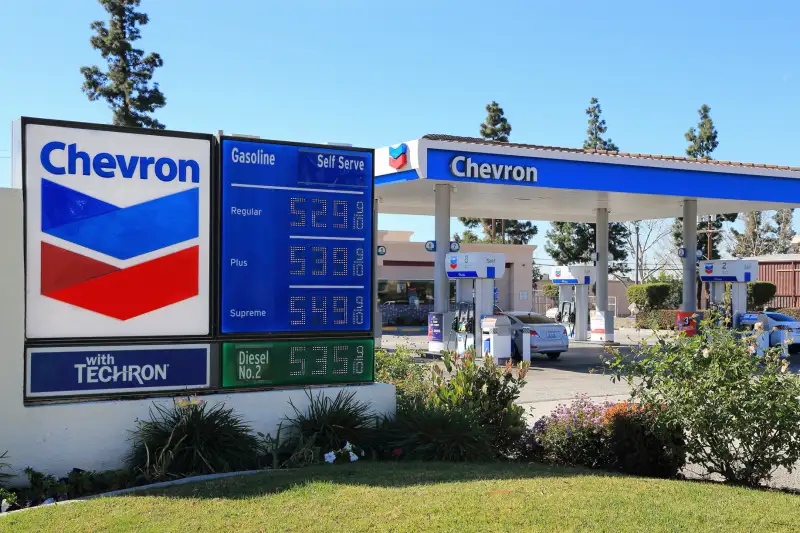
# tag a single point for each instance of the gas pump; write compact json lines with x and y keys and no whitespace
{"x":474,"y":274}
{"x":573,"y":297}
{"x":737,"y":273}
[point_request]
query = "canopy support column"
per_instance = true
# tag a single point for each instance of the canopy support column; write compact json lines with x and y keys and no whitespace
{"x":604,"y":319}
{"x":689,"y":261}
{"x":441,"y":284}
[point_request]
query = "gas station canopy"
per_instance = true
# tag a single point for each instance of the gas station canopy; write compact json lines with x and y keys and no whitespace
{"x":566,"y":184}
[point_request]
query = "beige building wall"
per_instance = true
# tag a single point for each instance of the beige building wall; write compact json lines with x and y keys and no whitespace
{"x":406,"y":260}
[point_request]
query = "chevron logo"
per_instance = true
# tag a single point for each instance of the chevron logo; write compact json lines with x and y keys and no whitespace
{"x":121,"y":233}
{"x":398,"y":156}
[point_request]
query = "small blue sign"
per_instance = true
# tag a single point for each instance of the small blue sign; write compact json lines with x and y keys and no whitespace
{"x":430,"y":246}
{"x":381,"y":250}
{"x":435,"y":329}
{"x":82,"y":371}
{"x":454,"y":246}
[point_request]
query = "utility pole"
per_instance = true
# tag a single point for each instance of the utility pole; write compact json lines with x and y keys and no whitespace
{"x":636,"y":253}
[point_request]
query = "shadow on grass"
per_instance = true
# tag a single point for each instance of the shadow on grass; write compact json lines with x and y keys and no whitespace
{"x":380,"y":474}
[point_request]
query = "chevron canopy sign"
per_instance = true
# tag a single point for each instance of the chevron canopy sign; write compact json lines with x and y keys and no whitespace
{"x":117,"y":233}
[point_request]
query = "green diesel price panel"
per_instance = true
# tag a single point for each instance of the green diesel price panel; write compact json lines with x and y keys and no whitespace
{"x":279,"y":363}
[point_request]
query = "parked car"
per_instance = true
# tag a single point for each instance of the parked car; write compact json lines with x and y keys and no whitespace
{"x":783,"y":328}
{"x":548,"y":337}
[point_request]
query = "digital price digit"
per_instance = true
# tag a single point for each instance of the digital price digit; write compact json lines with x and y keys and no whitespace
{"x":298,"y":211}
{"x":321,"y":361}
{"x":340,"y":308}
{"x":340,"y":214}
{"x":294,"y":359}
{"x":340,"y":260}
{"x":339,"y":360}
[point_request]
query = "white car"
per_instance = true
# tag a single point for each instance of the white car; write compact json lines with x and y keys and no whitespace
{"x":548,"y":337}
{"x":784,"y":328}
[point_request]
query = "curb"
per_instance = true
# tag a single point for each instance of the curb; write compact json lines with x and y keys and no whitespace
{"x":121,"y":492}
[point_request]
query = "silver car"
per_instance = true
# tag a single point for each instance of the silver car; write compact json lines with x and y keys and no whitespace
{"x":548,"y":337}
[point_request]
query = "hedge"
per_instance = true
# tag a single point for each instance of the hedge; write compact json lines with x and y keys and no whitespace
{"x":789,"y":311}
{"x":648,"y":295}
{"x":759,"y":293}
{"x":656,"y":319}
{"x":550,"y":290}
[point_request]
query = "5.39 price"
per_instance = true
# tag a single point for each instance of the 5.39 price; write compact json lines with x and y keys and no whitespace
{"x":320,"y":260}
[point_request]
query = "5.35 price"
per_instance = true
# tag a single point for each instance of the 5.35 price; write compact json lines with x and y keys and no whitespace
{"x":320,"y":360}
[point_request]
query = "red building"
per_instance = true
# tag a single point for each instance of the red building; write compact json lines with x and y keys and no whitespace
{"x":784,"y":271}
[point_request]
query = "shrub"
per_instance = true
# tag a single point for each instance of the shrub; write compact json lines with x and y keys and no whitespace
{"x":649,"y":295}
{"x":574,"y":435}
{"x":487,"y":391}
{"x":550,"y":290}
{"x":642,"y":443}
{"x":81,"y":483}
{"x":790,"y":311}
{"x":332,"y":422}
{"x":741,"y":411}
{"x":659,"y":319}
{"x":436,"y":433}
{"x":4,"y":476}
{"x":41,"y":487}
{"x":759,"y":293}
{"x":399,"y":369}
{"x":191,"y":439}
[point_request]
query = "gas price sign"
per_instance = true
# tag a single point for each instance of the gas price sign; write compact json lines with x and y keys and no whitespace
{"x":296,"y":238}
{"x":297,"y":362}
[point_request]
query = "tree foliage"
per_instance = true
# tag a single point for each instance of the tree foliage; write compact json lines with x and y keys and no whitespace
{"x":574,"y":242}
{"x":703,"y":139}
{"x":596,"y":129}
{"x":757,"y":238}
{"x":785,"y":232}
{"x":126,"y":85}
{"x":496,"y":126}
{"x":495,"y":230}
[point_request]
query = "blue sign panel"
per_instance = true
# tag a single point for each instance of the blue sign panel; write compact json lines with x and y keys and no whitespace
{"x":435,"y":329}
{"x":607,"y":177}
{"x":82,"y":371}
{"x":296,"y":238}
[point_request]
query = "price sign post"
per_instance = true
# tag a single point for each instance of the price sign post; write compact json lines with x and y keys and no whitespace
{"x":297,"y":238}
{"x":297,"y":362}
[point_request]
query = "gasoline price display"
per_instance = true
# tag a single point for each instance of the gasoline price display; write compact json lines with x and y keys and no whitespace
{"x":297,"y":362}
{"x":296,"y":238}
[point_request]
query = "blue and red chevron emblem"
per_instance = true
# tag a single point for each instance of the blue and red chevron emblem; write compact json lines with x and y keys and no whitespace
{"x":122,"y":233}
{"x":398,"y":156}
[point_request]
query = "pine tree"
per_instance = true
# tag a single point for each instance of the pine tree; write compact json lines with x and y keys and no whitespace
{"x":497,"y":128}
{"x":702,"y":142}
{"x":785,"y":232}
{"x":597,"y":128}
{"x":573,"y":242}
{"x":758,"y":237}
{"x":126,"y":85}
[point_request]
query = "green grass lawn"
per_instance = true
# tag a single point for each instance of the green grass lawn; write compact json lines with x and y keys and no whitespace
{"x":418,"y":497}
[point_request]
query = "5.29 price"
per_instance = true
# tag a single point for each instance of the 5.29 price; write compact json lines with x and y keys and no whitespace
{"x":325,"y":213}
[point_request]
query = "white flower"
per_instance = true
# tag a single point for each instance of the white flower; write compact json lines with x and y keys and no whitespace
{"x":706,"y":352}
{"x":353,"y":457}
{"x":330,"y":457}
{"x":347,"y":447}
{"x":4,"y":505}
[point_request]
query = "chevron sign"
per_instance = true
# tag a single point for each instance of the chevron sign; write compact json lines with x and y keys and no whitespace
{"x":117,"y":233}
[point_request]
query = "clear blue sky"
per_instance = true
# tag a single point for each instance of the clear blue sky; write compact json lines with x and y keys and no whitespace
{"x":376,"y":73}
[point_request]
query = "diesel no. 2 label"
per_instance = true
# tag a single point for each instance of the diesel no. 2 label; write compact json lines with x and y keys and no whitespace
{"x":297,"y":362}
{"x":296,"y":237}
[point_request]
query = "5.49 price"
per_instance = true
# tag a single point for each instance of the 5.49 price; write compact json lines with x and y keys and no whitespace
{"x":324,"y":310}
